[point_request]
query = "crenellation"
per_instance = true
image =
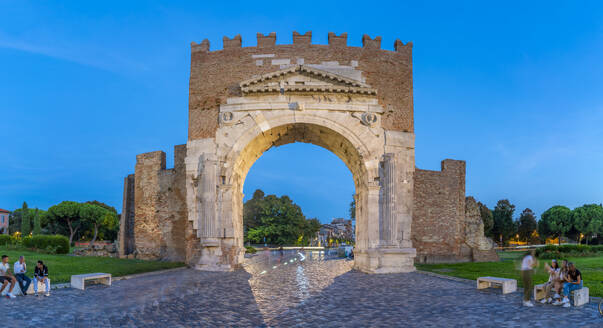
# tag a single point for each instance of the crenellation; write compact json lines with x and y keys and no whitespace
{"x":369,"y":43}
{"x":233,"y":43}
{"x":302,"y":39}
{"x":399,"y":46}
{"x":338,"y":40}
{"x":266,"y":41}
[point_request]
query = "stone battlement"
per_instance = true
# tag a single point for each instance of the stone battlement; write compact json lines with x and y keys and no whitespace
{"x":301,"y":40}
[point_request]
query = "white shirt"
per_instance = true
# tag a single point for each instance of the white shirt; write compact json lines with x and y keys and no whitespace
{"x":553,"y":274}
{"x":4,"y":268}
{"x":18,"y":267}
{"x":527,"y":262}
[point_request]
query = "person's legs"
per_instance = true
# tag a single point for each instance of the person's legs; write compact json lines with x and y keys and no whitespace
{"x":35,"y":282}
{"x":4,"y":283}
{"x":13,"y":282}
{"x":527,"y":284}
{"x":27,"y":283}
{"x":47,"y":282}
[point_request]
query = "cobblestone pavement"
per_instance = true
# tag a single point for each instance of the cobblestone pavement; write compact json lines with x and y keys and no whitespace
{"x":292,"y":290}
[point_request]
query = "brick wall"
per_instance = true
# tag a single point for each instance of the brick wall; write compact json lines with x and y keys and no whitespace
{"x":438,"y":213}
{"x":160,"y":214}
{"x":215,"y":75}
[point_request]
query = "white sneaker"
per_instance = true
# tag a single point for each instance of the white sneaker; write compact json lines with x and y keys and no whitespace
{"x":543,"y":301}
{"x":47,"y":294}
{"x":550,"y":300}
{"x":566,"y":305}
{"x":565,"y":300}
{"x":557,"y":302}
{"x":528,"y":304}
{"x":557,"y":295}
{"x":11,"y":295}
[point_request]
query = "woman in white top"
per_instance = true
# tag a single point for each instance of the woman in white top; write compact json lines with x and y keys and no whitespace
{"x":553,"y":271}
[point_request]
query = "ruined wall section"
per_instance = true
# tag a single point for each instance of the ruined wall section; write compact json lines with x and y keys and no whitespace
{"x":438,"y":213}
{"x":126,"y":220}
{"x":215,"y":75}
{"x":160,"y":214}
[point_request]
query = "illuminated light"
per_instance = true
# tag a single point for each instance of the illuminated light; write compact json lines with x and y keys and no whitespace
{"x":291,"y":260}
{"x":274,"y":267}
{"x":285,"y":263}
{"x":263,"y":272}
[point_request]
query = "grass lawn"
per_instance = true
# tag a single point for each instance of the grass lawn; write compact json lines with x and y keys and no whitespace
{"x":61,"y":267}
{"x":508,"y":267}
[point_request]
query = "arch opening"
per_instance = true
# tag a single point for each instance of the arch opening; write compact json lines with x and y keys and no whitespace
{"x":305,"y":133}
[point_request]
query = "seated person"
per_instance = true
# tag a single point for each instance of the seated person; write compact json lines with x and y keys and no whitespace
{"x":553,"y":271}
{"x":573,"y":281}
{"x":6,"y":277}
{"x":19,"y":269}
{"x":41,"y":275}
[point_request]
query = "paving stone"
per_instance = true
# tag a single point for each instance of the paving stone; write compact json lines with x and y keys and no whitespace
{"x":317,"y":292}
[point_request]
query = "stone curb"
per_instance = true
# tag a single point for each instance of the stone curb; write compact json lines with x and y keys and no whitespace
{"x":126,"y":277}
{"x":593,"y":299}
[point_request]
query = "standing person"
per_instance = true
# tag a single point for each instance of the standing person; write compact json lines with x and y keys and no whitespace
{"x":6,"y":277}
{"x":41,"y":275}
{"x":573,"y":282}
{"x":527,"y":270}
{"x":20,"y":268}
{"x":553,"y":271}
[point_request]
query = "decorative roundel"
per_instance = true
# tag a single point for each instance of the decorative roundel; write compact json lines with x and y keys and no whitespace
{"x":226,"y":116}
{"x":369,"y":118}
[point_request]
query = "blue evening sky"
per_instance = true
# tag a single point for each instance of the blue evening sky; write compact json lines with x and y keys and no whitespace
{"x":513,"y":88}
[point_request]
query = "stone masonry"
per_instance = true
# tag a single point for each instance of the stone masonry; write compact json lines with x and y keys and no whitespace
{"x":354,"y":101}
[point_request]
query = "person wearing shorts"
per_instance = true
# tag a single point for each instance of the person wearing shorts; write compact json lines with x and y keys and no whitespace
{"x":6,"y":277}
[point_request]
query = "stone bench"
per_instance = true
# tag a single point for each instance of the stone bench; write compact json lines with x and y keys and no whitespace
{"x":539,"y":292}
{"x":508,"y":285}
{"x":30,"y":291}
{"x":78,"y":281}
{"x":581,"y":296}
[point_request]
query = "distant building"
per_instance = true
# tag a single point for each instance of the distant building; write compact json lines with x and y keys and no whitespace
{"x":4,"y":221}
{"x":339,"y":228}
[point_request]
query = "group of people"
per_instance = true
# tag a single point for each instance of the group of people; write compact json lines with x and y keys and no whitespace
{"x":9,"y":279}
{"x":562,"y":280}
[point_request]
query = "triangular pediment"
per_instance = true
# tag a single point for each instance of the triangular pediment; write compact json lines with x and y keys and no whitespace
{"x":304,"y":79}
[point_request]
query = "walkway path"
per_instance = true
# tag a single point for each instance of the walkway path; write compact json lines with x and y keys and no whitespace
{"x":307,"y":291}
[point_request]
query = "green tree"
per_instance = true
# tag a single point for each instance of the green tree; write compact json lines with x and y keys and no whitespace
{"x":278,"y":220}
{"x":527,"y":224}
{"x":37,"y":226}
{"x":251,"y":211}
{"x":588,"y":219}
{"x":109,"y":226}
{"x":353,"y":208}
{"x":25,"y":220}
{"x":503,"y":220}
{"x":66,"y":213}
{"x":557,"y":220}
{"x":487,"y":218}
{"x":95,"y":216}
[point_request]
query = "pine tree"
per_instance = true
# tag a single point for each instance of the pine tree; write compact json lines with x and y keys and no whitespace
{"x":37,"y":228}
{"x":25,"y":220}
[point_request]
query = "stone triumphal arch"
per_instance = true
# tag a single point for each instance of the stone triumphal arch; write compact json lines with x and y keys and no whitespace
{"x":353,"y":101}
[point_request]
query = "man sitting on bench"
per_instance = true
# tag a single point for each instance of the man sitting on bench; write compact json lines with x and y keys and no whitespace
{"x":41,"y":275}
{"x":573,"y":281}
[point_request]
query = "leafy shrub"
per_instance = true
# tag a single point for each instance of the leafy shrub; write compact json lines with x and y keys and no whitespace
{"x":5,"y":240}
{"x":555,"y":252}
{"x":250,"y":250}
{"x":55,"y":244}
